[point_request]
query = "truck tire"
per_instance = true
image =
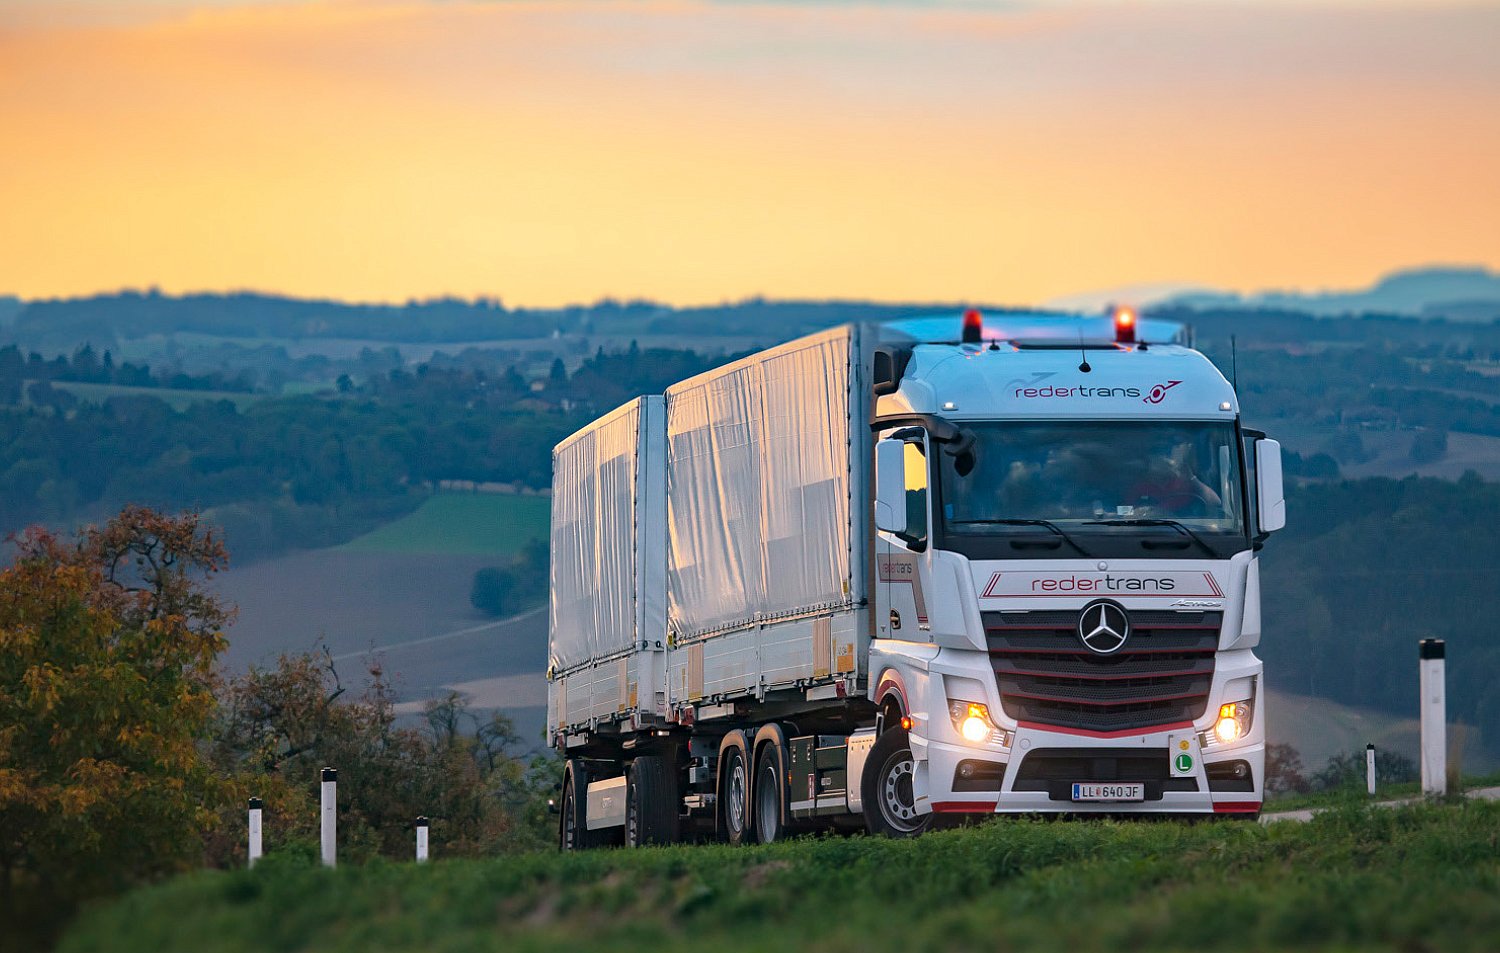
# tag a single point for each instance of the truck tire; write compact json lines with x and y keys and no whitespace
{"x":770,"y":788}
{"x":889,"y":802}
{"x":572,"y":824}
{"x":650,"y":802}
{"x":734,"y":816}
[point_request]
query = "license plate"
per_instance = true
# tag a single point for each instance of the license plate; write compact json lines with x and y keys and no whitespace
{"x":1109,"y":792}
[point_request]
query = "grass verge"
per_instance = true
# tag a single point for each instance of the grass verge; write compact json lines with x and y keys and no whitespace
{"x":1420,"y":878}
{"x":1354,"y":796}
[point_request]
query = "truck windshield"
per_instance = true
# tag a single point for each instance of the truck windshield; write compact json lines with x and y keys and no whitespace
{"x":1121,"y":488}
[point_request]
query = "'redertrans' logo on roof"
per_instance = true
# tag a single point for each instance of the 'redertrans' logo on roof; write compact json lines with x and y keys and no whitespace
{"x":1034,"y":389}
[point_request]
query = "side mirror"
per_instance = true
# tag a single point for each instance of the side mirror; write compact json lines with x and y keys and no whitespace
{"x":890,"y":486}
{"x":1270,"y":495}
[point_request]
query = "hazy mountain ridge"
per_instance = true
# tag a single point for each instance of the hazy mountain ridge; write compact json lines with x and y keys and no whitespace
{"x":1457,"y":293}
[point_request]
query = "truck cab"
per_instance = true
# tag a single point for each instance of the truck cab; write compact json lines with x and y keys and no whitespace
{"x":1068,"y":516}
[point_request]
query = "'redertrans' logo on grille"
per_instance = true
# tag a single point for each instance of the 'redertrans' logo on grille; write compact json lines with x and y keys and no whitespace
{"x":1177,"y":585}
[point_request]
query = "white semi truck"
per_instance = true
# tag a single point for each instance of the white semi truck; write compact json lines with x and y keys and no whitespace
{"x":887,"y":573}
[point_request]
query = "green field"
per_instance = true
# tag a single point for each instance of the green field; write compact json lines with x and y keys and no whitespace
{"x":467,"y":524}
{"x":1422,"y":878}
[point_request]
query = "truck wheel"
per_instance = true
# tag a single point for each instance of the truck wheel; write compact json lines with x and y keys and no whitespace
{"x":572,"y":826}
{"x":735,"y":785}
{"x":768,"y":794}
{"x":650,"y":802}
{"x":886,"y":787}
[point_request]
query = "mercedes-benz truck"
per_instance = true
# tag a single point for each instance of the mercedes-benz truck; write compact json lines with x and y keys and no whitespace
{"x":884,"y":574}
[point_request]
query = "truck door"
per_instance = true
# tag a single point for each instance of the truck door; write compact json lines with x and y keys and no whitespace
{"x":901,"y":606}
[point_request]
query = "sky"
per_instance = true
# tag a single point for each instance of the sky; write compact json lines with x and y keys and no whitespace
{"x":696,"y":151}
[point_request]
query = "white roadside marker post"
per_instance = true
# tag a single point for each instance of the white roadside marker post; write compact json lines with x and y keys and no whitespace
{"x":422,"y":840}
{"x":254,"y":852}
{"x":1370,"y":770}
{"x":1434,"y":717}
{"x":330,"y":817}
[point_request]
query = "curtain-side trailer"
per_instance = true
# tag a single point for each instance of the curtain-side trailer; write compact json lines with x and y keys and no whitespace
{"x":848,"y":581}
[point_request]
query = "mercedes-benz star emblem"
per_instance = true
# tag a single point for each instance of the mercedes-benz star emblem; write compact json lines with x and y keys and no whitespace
{"x":1103,"y":627}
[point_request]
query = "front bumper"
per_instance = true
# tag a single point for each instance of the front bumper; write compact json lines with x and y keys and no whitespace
{"x":1042,"y":786}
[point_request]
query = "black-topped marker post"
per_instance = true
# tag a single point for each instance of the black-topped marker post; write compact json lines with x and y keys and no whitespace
{"x":330,"y":817}
{"x":1434,"y":717}
{"x":254,"y":846}
{"x":422,"y":840}
{"x":1370,"y":770}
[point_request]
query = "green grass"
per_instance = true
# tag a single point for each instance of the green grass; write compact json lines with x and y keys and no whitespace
{"x":1421,"y":878}
{"x":478,"y":524}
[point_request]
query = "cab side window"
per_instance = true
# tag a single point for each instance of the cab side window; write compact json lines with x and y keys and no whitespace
{"x":916,"y":496}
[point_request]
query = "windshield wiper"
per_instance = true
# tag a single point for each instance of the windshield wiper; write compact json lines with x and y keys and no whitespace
{"x":1158,"y":522}
{"x":1046,"y":524}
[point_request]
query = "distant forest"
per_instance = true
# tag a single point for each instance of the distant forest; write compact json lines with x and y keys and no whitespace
{"x":134,"y":314}
{"x":308,"y":470}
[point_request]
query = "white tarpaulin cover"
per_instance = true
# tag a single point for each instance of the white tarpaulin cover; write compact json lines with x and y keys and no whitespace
{"x":594,"y":551}
{"x":758,"y":487}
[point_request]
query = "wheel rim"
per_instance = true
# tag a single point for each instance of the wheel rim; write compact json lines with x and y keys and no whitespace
{"x":767,"y":805}
{"x":735,"y":804}
{"x":897,"y":800}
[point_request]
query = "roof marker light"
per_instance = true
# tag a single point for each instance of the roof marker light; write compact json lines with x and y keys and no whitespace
{"x":1124,"y":326}
{"x":973,"y":326}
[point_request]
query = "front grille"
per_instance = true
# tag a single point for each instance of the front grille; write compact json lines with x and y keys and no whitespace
{"x":1055,"y":770}
{"x":1048,"y":677}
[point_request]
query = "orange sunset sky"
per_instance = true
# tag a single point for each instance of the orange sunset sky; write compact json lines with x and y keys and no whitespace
{"x":554,"y":152}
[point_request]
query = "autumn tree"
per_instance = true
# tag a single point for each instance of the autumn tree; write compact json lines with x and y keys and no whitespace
{"x":278,"y":725}
{"x":107,"y":650}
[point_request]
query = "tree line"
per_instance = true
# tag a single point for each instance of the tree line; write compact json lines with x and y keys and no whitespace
{"x":32,"y":375}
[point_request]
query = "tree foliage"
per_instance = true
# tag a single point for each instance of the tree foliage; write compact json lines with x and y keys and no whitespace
{"x":520,"y":585}
{"x":1284,"y":771}
{"x":107,"y":651}
{"x":278,"y":726}
{"x":1348,"y":770}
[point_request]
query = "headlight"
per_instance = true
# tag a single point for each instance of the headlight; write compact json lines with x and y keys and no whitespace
{"x":972,"y":722}
{"x":1233,"y":722}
